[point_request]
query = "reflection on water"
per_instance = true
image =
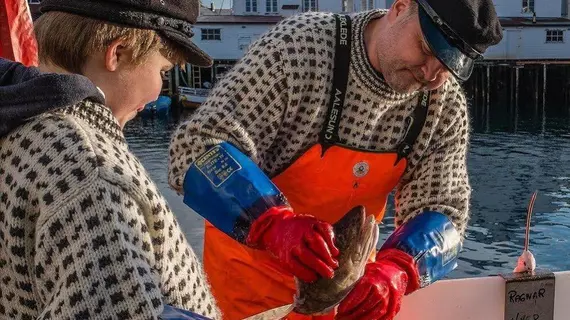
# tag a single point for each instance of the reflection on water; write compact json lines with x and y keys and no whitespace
{"x":513,"y":152}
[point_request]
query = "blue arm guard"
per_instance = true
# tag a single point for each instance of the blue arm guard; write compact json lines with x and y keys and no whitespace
{"x":173,"y":313}
{"x":432,"y":240}
{"x":226,"y":188}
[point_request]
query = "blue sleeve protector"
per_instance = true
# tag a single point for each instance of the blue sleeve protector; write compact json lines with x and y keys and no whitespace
{"x":432,"y":240}
{"x":173,"y":313}
{"x":229,"y":190}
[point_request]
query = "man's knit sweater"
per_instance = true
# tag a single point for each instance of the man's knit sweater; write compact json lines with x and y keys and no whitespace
{"x":84,"y":232}
{"x":272,"y":105}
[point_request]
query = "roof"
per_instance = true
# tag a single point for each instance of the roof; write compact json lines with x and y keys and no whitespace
{"x":540,"y":22}
{"x":228,"y":18}
{"x":206,"y":11}
{"x":251,"y":19}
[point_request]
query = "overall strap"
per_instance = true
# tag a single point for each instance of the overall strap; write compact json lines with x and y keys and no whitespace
{"x":414,"y":124}
{"x":329,"y":132}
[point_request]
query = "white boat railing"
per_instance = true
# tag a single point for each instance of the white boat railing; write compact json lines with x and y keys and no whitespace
{"x":199,"y":92}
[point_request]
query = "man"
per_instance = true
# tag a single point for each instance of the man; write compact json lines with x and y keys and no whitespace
{"x":325,"y":113}
{"x":84,"y":231}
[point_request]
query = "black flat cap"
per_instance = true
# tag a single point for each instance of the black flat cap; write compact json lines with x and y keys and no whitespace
{"x":172,"y":19}
{"x":459,"y":31}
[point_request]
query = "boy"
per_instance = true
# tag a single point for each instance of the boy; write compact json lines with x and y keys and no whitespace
{"x":84,"y":232}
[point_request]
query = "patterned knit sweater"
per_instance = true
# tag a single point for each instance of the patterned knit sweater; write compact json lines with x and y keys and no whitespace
{"x":84,"y":232}
{"x":273,"y":103}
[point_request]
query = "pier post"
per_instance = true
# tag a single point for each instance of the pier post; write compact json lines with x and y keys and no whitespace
{"x":544,"y":85}
{"x":516,"y":87}
{"x":475,"y":89}
{"x":170,"y":81}
{"x":189,"y":72}
{"x":536,"y":73}
{"x":481,"y":105}
{"x":176,"y":79}
{"x":487,"y":99}
{"x":511,"y":88}
{"x":544,"y":99}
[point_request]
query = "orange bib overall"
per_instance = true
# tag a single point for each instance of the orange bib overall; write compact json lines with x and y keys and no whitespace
{"x":326,"y":181}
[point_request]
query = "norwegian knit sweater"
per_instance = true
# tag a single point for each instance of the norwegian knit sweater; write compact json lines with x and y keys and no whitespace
{"x":273,"y":103}
{"x":84,"y":232}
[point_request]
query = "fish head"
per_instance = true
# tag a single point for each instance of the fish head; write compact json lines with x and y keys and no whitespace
{"x":356,"y":236}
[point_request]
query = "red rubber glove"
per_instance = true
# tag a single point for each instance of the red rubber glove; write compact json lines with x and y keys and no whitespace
{"x":302,"y":243}
{"x":378,"y":294}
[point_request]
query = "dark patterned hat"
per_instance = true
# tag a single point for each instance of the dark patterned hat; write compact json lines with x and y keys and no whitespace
{"x":172,"y":19}
{"x":459,"y":31}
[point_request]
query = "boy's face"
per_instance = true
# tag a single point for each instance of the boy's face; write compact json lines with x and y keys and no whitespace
{"x":127,"y":87}
{"x":139,"y":86}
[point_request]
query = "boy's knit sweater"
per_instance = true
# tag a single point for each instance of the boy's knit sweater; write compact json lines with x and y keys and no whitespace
{"x":272,"y":105}
{"x":84,"y":232}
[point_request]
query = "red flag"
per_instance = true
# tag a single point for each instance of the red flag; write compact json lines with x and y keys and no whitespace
{"x":17,"y":40}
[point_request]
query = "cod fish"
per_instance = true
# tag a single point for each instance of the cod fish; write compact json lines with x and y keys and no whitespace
{"x":526,"y":261}
{"x":356,"y":236}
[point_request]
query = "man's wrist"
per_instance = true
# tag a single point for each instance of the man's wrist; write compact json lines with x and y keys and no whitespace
{"x":404,"y":262}
{"x":433,"y":242}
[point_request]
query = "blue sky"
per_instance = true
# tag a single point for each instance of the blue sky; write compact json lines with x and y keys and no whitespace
{"x":218,"y":3}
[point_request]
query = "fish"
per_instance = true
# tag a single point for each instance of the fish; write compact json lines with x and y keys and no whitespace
{"x":526,"y":261}
{"x":356,"y":235}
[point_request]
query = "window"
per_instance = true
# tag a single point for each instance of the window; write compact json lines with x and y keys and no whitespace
{"x":309,"y":5}
{"x":554,"y":36}
{"x":250,"y":5}
{"x":271,"y":6}
{"x":366,"y":5}
{"x":528,"y":6}
{"x":211,"y":34}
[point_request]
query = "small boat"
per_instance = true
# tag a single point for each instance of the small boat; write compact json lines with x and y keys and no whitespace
{"x":160,"y":106}
{"x":192,"y":97}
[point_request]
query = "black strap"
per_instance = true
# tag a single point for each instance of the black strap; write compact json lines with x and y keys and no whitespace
{"x":329,"y":132}
{"x":414,"y":125}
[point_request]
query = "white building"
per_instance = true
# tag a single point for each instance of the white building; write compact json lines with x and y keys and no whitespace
{"x":227,"y":33}
{"x":532,"y":29}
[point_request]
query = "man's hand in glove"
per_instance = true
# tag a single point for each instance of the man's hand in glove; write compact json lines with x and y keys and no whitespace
{"x":378,"y":294}
{"x":302,"y":243}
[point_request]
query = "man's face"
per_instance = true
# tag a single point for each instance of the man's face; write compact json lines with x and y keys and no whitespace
{"x":404,"y":57}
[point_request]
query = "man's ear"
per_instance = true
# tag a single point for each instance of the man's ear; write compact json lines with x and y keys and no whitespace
{"x":398,"y":8}
{"x":117,"y":55}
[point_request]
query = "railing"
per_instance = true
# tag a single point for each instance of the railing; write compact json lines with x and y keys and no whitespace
{"x":200,"y":92}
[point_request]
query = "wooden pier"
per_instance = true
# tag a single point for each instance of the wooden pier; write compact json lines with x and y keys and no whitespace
{"x":500,"y":91}
{"x":531,"y":87}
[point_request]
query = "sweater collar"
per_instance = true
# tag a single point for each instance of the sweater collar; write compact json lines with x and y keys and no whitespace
{"x":363,"y":71}
{"x":99,"y":117}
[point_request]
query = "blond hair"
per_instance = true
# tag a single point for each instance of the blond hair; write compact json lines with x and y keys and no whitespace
{"x":66,"y":40}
